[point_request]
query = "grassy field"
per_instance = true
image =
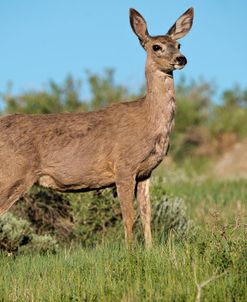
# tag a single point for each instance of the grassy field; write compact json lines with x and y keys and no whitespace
{"x":208,"y":264}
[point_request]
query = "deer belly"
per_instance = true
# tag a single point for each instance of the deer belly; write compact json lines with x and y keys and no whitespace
{"x":155,"y":156}
{"x":85,"y":176}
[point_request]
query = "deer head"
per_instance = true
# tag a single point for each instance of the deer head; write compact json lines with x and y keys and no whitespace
{"x":164,"y":50}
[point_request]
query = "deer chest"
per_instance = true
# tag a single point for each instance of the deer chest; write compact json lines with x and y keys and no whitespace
{"x":158,"y":141}
{"x":159,"y":150}
{"x":155,"y":155}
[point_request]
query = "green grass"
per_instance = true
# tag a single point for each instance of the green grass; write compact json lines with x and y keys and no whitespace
{"x":214,"y":249}
{"x":112,"y":273}
{"x":203,"y":197}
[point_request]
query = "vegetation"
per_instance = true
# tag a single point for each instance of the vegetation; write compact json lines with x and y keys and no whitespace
{"x":16,"y":235}
{"x":212,"y":249}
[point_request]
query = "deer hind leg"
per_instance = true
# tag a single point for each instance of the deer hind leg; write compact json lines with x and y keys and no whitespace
{"x":10,"y":193}
{"x":125,"y":190}
{"x":143,"y":199}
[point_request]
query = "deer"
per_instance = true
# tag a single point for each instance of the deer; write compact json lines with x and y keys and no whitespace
{"x":117,"y":146}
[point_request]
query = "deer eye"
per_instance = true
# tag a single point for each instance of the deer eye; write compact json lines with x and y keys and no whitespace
{"x":179,"y":46}
{"x":156,"y":47}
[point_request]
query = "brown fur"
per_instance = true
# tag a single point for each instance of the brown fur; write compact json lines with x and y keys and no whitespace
{"x":119,"y":145}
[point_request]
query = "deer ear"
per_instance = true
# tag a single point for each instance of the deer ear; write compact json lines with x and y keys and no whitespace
{"x":139,"y":26}
{"x":182,"y":26}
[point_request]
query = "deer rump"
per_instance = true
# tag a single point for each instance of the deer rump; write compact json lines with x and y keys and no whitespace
{"x":81,"y":151}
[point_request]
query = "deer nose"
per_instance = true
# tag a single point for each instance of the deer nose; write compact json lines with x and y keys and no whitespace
{"x":181,"y":60}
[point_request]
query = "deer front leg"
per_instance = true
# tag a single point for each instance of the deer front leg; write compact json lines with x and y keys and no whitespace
{"x":143,"y":199}
{"x":125,"y":190}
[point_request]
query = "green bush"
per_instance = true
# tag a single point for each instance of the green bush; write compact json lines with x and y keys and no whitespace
{"x":43,"y":244}
{"x":14,"y":232}
{"x":169,"y":215}
{"x":17,"y":236}
{"x":48,"y":212}
{"x":98,"y":216}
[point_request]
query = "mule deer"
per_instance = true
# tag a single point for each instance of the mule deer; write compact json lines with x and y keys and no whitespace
{"x":116,"y":146}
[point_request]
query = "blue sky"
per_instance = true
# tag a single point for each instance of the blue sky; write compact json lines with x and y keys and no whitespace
{"x":43,"y":40}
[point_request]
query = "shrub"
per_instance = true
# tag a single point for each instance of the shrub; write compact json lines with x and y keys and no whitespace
{"x":43,"y":244}
{"x":99,"y":217}
{"x":169,"y":215}
{"x":48,"y":212}
{"x":14,"y":232}
{"x":17,"y":236}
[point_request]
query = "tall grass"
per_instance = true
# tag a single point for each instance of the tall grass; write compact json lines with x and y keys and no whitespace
{"x":112,"y":273}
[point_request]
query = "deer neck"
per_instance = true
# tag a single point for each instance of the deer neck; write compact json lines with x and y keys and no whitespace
{"x":160,"y":97}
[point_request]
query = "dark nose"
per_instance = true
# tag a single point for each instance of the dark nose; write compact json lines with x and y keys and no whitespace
{"x":181,"y":60}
